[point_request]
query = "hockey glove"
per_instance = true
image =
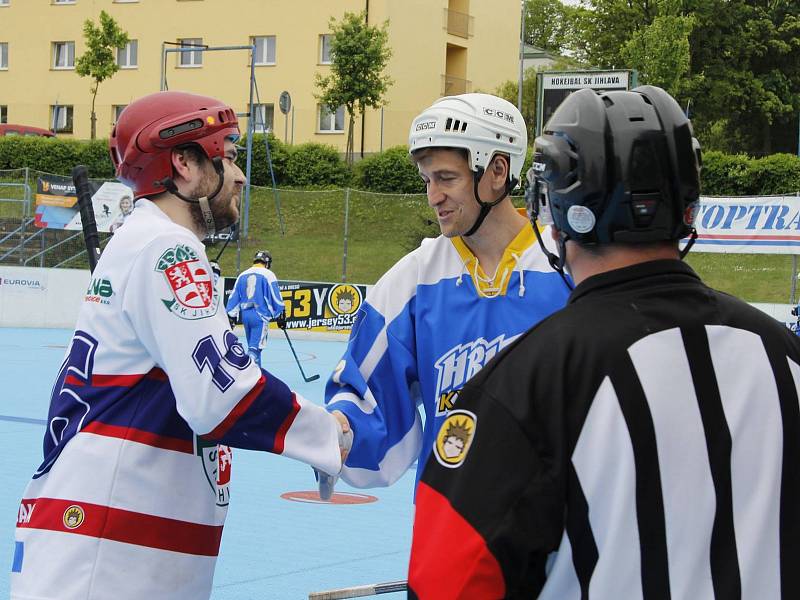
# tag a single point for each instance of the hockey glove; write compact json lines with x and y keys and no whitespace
{"x":281,"y":320}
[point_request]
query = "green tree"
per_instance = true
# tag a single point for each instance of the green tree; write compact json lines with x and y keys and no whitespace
{"x":359,"y":55}
{"x":660,"y":52}
{"x":551,"y":25}
{"x":100,"y":60}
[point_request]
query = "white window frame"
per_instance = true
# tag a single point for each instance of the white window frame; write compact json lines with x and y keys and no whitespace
{"x":5,"y":3}
{"x":192,"y":59}
{"x":56,"y":112}
{"x":262,"y":57}
{"x":3,"y":56}
{"x":326,"y":117}
{"x":116,"y":110}
{"x":325,"y":40}
{"x":3,"y":113}
{"x":260,"y":122}
{"x":128,"y":57}
{"x":63,"y":1}
{"x":69,"y":48}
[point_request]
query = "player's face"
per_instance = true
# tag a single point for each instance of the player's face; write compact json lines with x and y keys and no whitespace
{"x":449,"y":184}
{"x":225,"y":206}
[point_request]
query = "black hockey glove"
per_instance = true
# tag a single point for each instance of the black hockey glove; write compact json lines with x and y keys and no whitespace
{"x":281,"y":320}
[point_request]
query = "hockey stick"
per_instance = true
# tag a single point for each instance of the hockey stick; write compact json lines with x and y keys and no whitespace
{"x":297,"y":360}
{"x":80,"y":178}
{"x":360,"y":590}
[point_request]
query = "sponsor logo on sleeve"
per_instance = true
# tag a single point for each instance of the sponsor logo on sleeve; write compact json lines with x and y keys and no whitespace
{"x":73,"y":517}
{"x":190,"y":282}
{"x":455,"y":438}
{"x":99,"y":291}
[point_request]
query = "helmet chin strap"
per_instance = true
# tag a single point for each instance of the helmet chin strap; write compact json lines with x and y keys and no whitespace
{"x":486,"y":206}
{"x":556,"y":262}
{"x":202,"y":201}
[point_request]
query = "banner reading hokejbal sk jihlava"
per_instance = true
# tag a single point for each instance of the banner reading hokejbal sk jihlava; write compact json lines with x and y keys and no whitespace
{"x":748,"y":225}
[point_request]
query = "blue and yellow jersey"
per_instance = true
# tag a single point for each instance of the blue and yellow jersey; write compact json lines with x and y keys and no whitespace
{"x":428,"y":325}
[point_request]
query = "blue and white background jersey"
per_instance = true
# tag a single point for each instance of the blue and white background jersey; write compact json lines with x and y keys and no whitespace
{"x":428,"y":325}
{"x":257,"y":288}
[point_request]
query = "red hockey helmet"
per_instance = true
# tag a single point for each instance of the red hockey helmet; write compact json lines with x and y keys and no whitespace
{"x":150,"y":127}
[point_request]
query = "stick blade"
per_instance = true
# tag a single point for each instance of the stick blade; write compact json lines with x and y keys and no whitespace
{"x":312,"y":378}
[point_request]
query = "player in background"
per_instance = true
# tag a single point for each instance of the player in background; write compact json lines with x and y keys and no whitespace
{"x":441,"y":313}
{"x":131,"y":496}
{"x":256,"y":300}
{"x":644,"y":442}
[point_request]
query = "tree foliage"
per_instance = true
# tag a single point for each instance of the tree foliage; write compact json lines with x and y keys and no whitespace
{"x":550,"y":25}
{"x":359,"y":55}
{"x":100,"y":60}
{"x":737,"y":62}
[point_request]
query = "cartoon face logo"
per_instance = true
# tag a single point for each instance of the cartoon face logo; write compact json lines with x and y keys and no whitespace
{"x":73,"y":517}
{"x":344,"y":299}
{"x":454,"y":438}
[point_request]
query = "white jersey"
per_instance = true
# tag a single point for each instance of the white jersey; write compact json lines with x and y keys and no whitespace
{"x":131,"y":497}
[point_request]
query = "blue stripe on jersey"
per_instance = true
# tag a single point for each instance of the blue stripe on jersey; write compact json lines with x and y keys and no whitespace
{"x":257,"y":427}
{"x":19,"y":553}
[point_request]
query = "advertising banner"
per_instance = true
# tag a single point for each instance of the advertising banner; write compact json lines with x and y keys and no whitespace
{"x":749,"y":225}
{"x":314,"y":306}
{"x":57,"y":203}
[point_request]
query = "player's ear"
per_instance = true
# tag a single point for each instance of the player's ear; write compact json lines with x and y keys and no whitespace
{"x":499,"y":169}
{"x":180,"y":163}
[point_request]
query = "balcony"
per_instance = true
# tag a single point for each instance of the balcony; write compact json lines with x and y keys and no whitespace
{"x":458,"y":23}
{"x":455,"y":85}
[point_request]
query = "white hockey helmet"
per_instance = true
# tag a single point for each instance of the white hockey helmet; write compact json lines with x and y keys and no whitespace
{"x":481,"y":124}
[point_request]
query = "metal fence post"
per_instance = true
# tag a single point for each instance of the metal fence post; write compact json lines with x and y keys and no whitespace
{"x":346,"y":230}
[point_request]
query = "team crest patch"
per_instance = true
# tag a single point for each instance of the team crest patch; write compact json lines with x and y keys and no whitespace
{"x":73,"y":517}
{"x":217,"y":460}
{"x":190,"y":281}
{"x":454,"y":438}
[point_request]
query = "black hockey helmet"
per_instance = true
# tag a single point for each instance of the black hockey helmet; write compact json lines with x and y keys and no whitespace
{"x":264,"y":257}
{"x":617,"y":166}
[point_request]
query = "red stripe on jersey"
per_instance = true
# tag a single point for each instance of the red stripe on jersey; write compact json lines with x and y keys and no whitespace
{"x":138,"y":435}
{"x":238,"y":410}
{"x":449,"y":559}
{"x":118,"y":380}
{"x":95,"y":520}
{"x":280,"y":435}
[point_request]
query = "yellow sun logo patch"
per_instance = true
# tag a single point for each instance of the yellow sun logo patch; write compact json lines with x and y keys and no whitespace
{"x":454,"y":438}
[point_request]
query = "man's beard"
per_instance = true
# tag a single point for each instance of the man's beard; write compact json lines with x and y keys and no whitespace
{"x":224,"y":212}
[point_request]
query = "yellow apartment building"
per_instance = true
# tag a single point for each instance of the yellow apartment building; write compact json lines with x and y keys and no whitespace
{"x":439,"y":47}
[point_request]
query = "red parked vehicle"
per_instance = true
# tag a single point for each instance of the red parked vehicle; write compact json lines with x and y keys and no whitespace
{"x":7,"y":129}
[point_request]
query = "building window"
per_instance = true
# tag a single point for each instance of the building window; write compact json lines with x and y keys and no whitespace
{"x":128,"y":57}
{"x":5,"y":2}
{"x":63,"y":1}
{"x":118,"y":108}
{"x":63,"y":55}
{"x":265,"y":49}
{"x":3,"y":55}
{"x":61,"y":118}
{"x":325,"y":49}
{"x":192,"y":58}
{"x":331,"y":121}
{"x":264,"y":117}
{"x":3,"y":113}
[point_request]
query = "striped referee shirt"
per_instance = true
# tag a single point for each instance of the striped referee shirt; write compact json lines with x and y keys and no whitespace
{"x":644,"y":442}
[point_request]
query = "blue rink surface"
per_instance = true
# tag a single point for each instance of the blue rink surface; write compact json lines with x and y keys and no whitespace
{"x":271,"y":548}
